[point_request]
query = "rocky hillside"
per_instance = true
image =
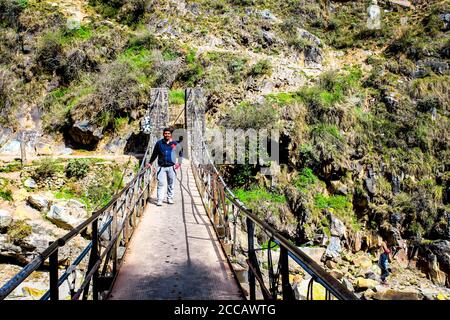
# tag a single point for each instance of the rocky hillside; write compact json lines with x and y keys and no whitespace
{"x":363,"y":113}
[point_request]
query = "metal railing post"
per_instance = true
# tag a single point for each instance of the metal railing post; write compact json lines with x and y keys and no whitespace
{"x":54,"y":290}
{"x":251,"y":255}
{"x":95,"y":254}
{"x":113,"y":234}
{"x":286,"y":286}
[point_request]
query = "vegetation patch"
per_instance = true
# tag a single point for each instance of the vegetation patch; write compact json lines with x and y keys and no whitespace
{"x":18,"y":231}
{"x":176,"y":97}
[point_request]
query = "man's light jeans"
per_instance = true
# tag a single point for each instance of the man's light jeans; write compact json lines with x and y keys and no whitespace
{"x":171,"y":175}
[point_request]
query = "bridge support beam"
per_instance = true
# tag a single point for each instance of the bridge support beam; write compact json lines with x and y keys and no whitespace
{"x":195,"y":113}
{"x":159,"y":109}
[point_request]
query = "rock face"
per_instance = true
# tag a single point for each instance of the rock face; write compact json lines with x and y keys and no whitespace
{"x":67,"y":217}
{"x":13,"y":147}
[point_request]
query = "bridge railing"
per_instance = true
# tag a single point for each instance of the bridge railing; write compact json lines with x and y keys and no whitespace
{"x":110,"y":229}
{"x":231,"y":218}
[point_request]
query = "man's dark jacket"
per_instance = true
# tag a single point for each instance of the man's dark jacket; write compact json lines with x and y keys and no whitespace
{"x":165,"y":152}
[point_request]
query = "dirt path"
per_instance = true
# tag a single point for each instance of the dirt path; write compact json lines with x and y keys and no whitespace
{"x":107,"y":157}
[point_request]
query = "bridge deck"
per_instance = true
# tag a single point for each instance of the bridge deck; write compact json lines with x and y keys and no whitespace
{"x":174,"y":253}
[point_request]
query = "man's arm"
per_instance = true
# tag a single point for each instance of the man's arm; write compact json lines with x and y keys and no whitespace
{"x":154,"y":154}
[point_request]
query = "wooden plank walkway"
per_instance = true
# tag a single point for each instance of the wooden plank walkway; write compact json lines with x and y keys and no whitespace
{"x":174,"y":253}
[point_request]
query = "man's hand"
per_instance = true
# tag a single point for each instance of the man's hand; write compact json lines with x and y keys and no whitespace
{"x":177,"y":166}
{"x":150,"y":166}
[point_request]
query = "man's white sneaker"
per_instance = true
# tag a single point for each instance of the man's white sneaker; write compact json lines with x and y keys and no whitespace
{"x":159,"y":203}
{"x":170,"y":201}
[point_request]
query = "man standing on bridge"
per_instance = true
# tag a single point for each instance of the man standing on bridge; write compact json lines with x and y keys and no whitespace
{"x":164,"y":150}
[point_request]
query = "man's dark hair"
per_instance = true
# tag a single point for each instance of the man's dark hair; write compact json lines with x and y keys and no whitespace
{"x":168,"y":129}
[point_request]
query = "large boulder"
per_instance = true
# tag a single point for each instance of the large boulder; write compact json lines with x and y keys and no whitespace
{"x":441,"y":249}
{"x":314,"y":253}
{"x":392,"y":294}
{"x":362,"y":283}
{"x":12,"y":147}
{"x":334,"y":248}
{"x":38,"y":202}
{"x":67,"y":217}
{"x":44,"y":149}
{"x":309,"y":36}
{"x":5,"y":220}
{"x":337,"y":227}
{"x":363,"y":262}
{"x":30,"y":183}
{"x":313,"y":56}
{"x":10,"y":250}
{"x":31,"y":238}
{"x":301,"y":290}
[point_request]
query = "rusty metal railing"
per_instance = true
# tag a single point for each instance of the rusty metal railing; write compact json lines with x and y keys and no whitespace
{"x":228,"y":214}
{"x":111,"y":229}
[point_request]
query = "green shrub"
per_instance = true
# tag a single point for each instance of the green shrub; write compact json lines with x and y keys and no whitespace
{"x":236,"y":67}
{"x":176,"y":97}
{"x":11,"y":167}
{"x":126,"y":11}
{"x":252,"y":116}
{"x":339,"y":204}
{"x":10,"y":11}
{"x":258,"y":194}
{"x":305,"y":179}
{"x":261,"y":68}
{"x":283,"y":98}
{"x":241,"y":175}
{"x":144,"y":39}
{"x":46,"y":168}
{"x":6,"y":194}
{"x":77,"y":168}
{"x":50,"y":53}
{"x":19,"y":230}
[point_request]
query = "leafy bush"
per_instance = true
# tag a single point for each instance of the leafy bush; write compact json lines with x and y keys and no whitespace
{"x":10,"y":11}
{"x":77,"y":168}
{"x":252,"y":116}
{"x":236,"y":67}
{"x":241,"y":175}
{"x":126,"y":11}
{"x":50,"y":53}
{"x":11,"y":167}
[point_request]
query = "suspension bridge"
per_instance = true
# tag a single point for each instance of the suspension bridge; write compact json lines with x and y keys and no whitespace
{"x":188,"y":250}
